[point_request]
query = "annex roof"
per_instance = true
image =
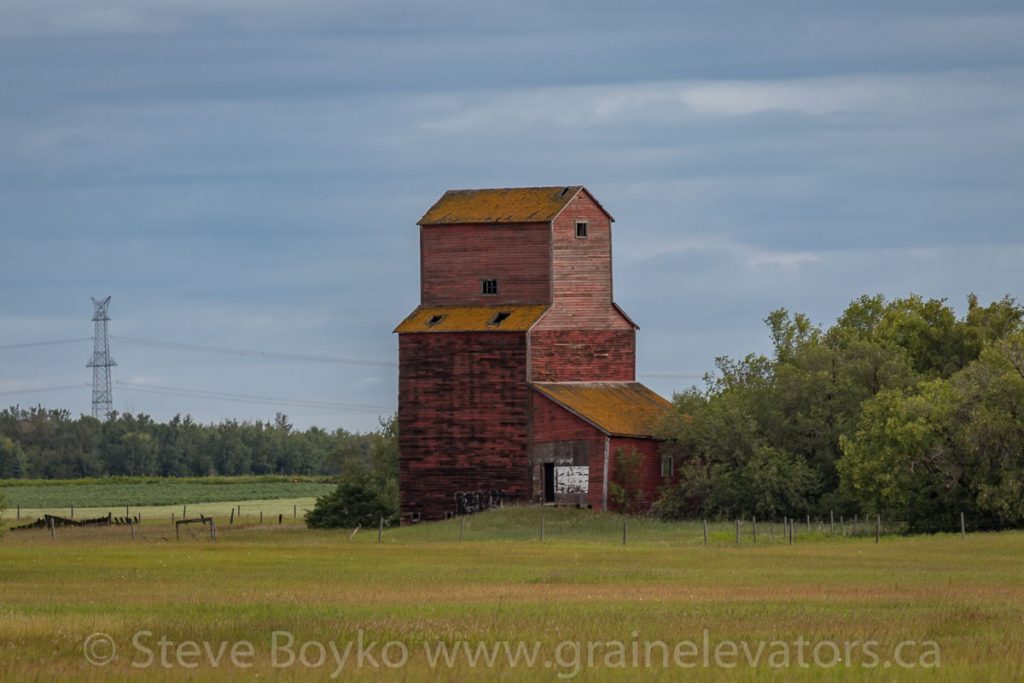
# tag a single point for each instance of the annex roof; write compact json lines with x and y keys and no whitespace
{"x":501,"y":205}
{"x":500,"y":318}
{"x":616,"y":408}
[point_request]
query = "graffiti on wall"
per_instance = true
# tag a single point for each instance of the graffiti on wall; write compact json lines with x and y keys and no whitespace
{"x":470,"y":502}
{"x":572,"y":480}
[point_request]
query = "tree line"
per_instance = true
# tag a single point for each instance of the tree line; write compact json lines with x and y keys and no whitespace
{"x":900,"y":408}
{"x":45,"y":443}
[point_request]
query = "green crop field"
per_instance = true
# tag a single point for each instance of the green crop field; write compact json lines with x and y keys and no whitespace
{"x":282,"y":602}
{"x":159,"y":496}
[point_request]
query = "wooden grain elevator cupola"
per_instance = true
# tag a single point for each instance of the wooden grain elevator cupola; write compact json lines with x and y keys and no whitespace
{"x":517,"y":369}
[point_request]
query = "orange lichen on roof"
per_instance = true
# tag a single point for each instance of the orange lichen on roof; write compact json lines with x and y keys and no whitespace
{"x":507,"y":318}
{"x":616,"y":408}
{"x":502,"y":205}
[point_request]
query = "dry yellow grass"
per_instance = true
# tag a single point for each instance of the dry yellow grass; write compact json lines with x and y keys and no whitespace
{"x":421,"y":585}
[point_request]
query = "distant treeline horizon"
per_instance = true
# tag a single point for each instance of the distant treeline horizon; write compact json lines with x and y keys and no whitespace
{"x":41,"y":443}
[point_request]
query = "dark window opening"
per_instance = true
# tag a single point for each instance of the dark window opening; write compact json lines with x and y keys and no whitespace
{"x":666,"y":466}
{"x":488,"y":286}
{"x":581,"y":229}
{"x":499,"y":318}
{"x":435,"y":319}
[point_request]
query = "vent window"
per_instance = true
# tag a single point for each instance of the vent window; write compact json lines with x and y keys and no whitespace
{"x":488,"y":286}
{"x":581,"y":229}
{"x":499,"y":318}
{"x":666,"y":466}
{"x":434,"y":319}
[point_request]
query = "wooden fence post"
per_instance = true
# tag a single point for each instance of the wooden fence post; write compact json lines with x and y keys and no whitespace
{"x":177,"y":531}
{"x":791,"y":527}
{"x":831,"y":523}
{"x":261,"y":517}
{"x":184,"y":512}
{"x":213,"y":530}
{"x":380,"y":531}
{"x":19,"y":512}
{"x":623,"y":532}
{"x":462,"y":527}
{"x":808,"y":524}
{"x":172,"y":518}
{"x":295,"y":511}
{"x":878,"y":528}
{"x":232,"y":520}
{"x":737,"y":532}
{"x":280,"y":518}
{"x":753,"y":528}
{"x":705,"y":532}
{"x":963,"y":527}
{"x":72,"y":512}
{"x":542,"y":527}
{"x":52,"y":533}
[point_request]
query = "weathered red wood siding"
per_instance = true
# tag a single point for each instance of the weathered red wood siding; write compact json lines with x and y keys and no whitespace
{"x":581,"y":271}
{"x":454,"y":258}
{"x":553,"y":424}
{"x":463,"y":413}
{"x":650,"y":466}
{"x":583,"y":337}
{"x":583,"y":355}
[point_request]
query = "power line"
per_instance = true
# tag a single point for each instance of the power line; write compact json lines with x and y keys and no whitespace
{"x":270,"y":354}
{"x":45,"y":343}
{"x":32,"y":390}
{"x":252,"y":352}
{"x":250,"y":398}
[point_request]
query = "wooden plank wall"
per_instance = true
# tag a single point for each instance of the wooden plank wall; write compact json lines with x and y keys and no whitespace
{"x":454,"y":258}
{"x":463,"y":412}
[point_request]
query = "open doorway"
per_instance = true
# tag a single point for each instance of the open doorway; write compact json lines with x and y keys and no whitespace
{"x":549,"y":482}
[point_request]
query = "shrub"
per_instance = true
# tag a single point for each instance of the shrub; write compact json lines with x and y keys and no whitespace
{"x":356,"y":502}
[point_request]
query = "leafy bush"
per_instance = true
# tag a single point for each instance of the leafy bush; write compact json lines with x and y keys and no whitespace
{"x":356,"y":502}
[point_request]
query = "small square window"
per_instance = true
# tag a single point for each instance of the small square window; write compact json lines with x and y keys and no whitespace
{"x":488,"y":286}
{"x":666,"y":466}
{"x":581,"y":229}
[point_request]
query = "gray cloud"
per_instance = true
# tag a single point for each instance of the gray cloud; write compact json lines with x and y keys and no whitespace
{"x":249,"y":174}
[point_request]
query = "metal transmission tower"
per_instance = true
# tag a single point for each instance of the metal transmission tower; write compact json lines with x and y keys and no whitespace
{"x":101,"y":362}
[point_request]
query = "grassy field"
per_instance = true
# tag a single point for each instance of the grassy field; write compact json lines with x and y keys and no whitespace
{"x":580,"y":597}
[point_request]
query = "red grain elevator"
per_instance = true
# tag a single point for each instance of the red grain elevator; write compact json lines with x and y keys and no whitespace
{"x":517,"y":371}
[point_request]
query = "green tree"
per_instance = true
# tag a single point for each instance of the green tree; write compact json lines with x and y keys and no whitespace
{"x":945,"y":446}
{"x":767,"y":435}
{"x":13,"y":464}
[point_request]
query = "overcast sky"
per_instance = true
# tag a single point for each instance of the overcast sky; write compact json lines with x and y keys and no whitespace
{"x":248,"y":174}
